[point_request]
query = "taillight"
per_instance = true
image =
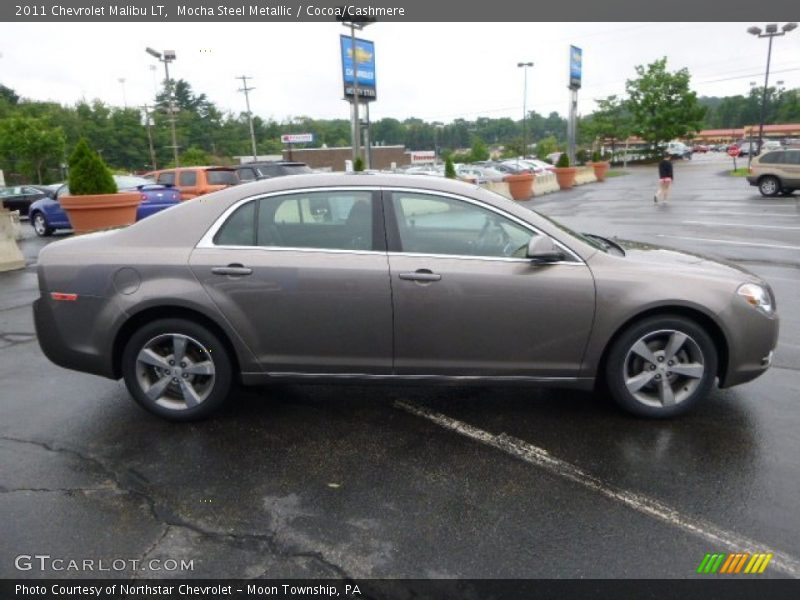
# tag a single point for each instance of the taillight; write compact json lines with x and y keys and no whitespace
{"x":63,"y":296}
{"x":144,"y":197}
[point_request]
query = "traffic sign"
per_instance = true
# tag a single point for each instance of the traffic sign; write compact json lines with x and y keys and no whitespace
{"x":297,"y":138}
{"x":734,"y":151}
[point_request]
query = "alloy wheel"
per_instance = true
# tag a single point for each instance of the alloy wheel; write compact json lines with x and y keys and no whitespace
{"x":39,"y":225}
{"x":175,"y":371}
{"x":663,"y":368}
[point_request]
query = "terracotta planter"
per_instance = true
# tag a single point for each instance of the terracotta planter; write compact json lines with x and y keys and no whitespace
{"x":566,"y":177}
{"x":520,"y":185}
{"x":600,"y":169}
{"x":102,"y":211}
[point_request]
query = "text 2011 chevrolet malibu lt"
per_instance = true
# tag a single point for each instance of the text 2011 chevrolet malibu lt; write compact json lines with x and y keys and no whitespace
{"x":398,"y":278}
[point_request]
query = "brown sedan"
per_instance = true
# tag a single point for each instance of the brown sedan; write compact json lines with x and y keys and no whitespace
{"x":398,"y":278}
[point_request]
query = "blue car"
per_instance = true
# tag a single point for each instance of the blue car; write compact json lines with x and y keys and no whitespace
{"x":46,"y":214}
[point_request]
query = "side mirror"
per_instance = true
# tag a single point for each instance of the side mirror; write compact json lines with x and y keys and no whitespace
{"x":542,"y":249}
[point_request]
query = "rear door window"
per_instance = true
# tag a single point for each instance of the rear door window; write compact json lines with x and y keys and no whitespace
{"x":167,"y":178}
{"x":222,"y":177}
{"x":188,"y":178}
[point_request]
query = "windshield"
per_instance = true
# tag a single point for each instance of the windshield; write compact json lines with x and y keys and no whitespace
{"x":126,"y":182}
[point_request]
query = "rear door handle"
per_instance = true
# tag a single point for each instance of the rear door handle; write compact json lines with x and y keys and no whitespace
{"x":421,"y":275}
{"x":236,"y":269}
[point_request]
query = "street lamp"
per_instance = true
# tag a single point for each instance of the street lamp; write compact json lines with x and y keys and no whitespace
{"x":167,"y":57}
{"x":770,"y":31}
{"x":525,"y":66}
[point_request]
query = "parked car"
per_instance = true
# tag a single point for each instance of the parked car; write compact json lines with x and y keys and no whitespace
{"x":679,"y":150}
{"x":776,"y":172}
{"x":700,"y":148}
{"x":481,"y":173}
{"x":353,"y":277}
{"x":531,"y":164}
{"x":20,"y":197}
{"x":770,"y":145}
{"x":47,"y":216}
{"x":196,"y":181}
{"x":268,"y":169}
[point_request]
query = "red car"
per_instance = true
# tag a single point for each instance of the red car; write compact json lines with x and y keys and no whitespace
{"x":700,"y":148}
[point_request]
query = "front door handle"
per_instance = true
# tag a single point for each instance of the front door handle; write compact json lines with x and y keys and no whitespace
{"x":235,"y":269}
{"x":421,"y":275}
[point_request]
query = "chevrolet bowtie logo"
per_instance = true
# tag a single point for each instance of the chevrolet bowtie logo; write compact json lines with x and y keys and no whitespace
{"x":731,"y":564}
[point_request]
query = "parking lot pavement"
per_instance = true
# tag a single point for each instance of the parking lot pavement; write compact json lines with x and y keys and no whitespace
{"x":379,"y":481}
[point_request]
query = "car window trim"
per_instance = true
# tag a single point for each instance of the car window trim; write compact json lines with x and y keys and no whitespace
{"x":378,"y":220}
{"x":393,"y":231}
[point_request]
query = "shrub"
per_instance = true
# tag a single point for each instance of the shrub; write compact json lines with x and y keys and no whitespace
{"x":358,"y":164}
{"x":563,"y":161}
{"x":581,"y":156}
{"x":596,"y":156}
{"x":449,"y":169}
{"x":88,"y":174}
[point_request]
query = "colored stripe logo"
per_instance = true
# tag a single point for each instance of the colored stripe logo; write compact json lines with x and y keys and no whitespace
{"x":732,"y":564}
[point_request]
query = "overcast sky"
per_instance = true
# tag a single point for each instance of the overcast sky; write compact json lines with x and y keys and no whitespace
{"x":428,"y":70}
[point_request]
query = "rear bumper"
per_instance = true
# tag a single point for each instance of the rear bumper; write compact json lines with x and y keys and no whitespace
{"x":67,"y":336}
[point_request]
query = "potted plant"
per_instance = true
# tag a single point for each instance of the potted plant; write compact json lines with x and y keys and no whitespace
{"x":565,"y":174}
{"x":600,"y":166}
{"x":93,"y":202}
{"x":520,"y":185}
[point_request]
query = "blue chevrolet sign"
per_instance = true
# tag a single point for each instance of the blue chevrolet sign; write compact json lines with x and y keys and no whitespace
{"x":365,"y":55}
{"x":575,"y":67}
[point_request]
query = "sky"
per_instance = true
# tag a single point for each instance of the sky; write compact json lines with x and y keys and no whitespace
{"x":434,"y":71}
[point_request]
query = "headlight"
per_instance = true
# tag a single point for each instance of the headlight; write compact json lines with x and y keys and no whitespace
{"x":757,"y":296}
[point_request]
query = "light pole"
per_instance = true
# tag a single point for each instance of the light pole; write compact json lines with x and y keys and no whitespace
{"x":246,"y":91}
{"x":166,"y":58}
{"x":770,"y":31}
{"x":525,"y":66}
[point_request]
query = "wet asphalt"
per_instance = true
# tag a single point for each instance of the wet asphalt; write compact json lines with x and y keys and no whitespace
{"x":322,"y":481}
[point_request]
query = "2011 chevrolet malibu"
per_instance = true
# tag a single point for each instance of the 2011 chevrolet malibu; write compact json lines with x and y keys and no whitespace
{"x":397,"y":278}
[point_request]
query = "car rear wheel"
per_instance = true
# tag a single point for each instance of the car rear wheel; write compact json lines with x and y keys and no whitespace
{"x":661,"y":367}
{"x":40,"y":225}
{"x":177,"y":369}
{"x":769,"y":186}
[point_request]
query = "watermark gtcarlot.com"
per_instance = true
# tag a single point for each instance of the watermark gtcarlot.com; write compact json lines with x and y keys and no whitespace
{"x":46,"y":564}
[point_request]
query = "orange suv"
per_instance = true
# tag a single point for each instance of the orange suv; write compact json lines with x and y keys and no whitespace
{"x":196,"y":181}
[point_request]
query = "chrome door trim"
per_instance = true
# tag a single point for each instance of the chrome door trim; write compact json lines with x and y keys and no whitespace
{"x":499,"y":211}
{"x":207,"y":241}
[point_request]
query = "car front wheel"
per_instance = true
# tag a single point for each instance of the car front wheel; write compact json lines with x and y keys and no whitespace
{"x":40,"y":225}
{"x":177,"y":369}
{"x":661,"y":367}
{"x":769,"y":186}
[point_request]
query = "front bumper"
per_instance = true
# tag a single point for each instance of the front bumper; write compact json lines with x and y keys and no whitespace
{"x":752,"y":338}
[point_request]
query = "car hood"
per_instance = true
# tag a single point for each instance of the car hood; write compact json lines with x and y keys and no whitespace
{"x":662,"y":256}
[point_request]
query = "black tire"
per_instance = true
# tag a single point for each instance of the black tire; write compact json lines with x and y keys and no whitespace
{"x":202,"y":347}
{"x":624,"y":364}
{"x":786,"y":192}
{"x":769,"y":186}
{"x":39,"y":224}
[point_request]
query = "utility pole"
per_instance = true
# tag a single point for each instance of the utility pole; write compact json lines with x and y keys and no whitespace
{"x":150,"y":136}
{"x":524,"y":66}
{"x":167,"y":57}
{"x":246,"y":91}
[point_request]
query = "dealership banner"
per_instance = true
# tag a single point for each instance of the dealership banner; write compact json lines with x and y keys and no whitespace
{"x":363,"y":61}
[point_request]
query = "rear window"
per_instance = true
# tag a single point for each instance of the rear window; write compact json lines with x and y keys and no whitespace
{"x":295,"y":169}
{"x":187,"y":178}
{"x":222,"y":177}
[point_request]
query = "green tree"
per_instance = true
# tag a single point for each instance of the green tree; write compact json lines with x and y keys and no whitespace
{"x":30,"y":145}
{"x":449,"y":168}
{"x":479,"y":151}
{"x":88,"y":174}
{"x":611,"y":121}
{"x":546,"y":146}
{"x":194,"y":157}
{"x":662,"y":105}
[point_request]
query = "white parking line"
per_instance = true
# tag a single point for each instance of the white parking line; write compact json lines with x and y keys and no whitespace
{"x":732,"y":243}
{"x":539,"y":457}
{"x":745,"y":225}
{"x":794,"y":213}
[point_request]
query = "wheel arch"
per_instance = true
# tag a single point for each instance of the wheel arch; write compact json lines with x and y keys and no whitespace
{"x":707,"y":322}
{"x":169,"y":312}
